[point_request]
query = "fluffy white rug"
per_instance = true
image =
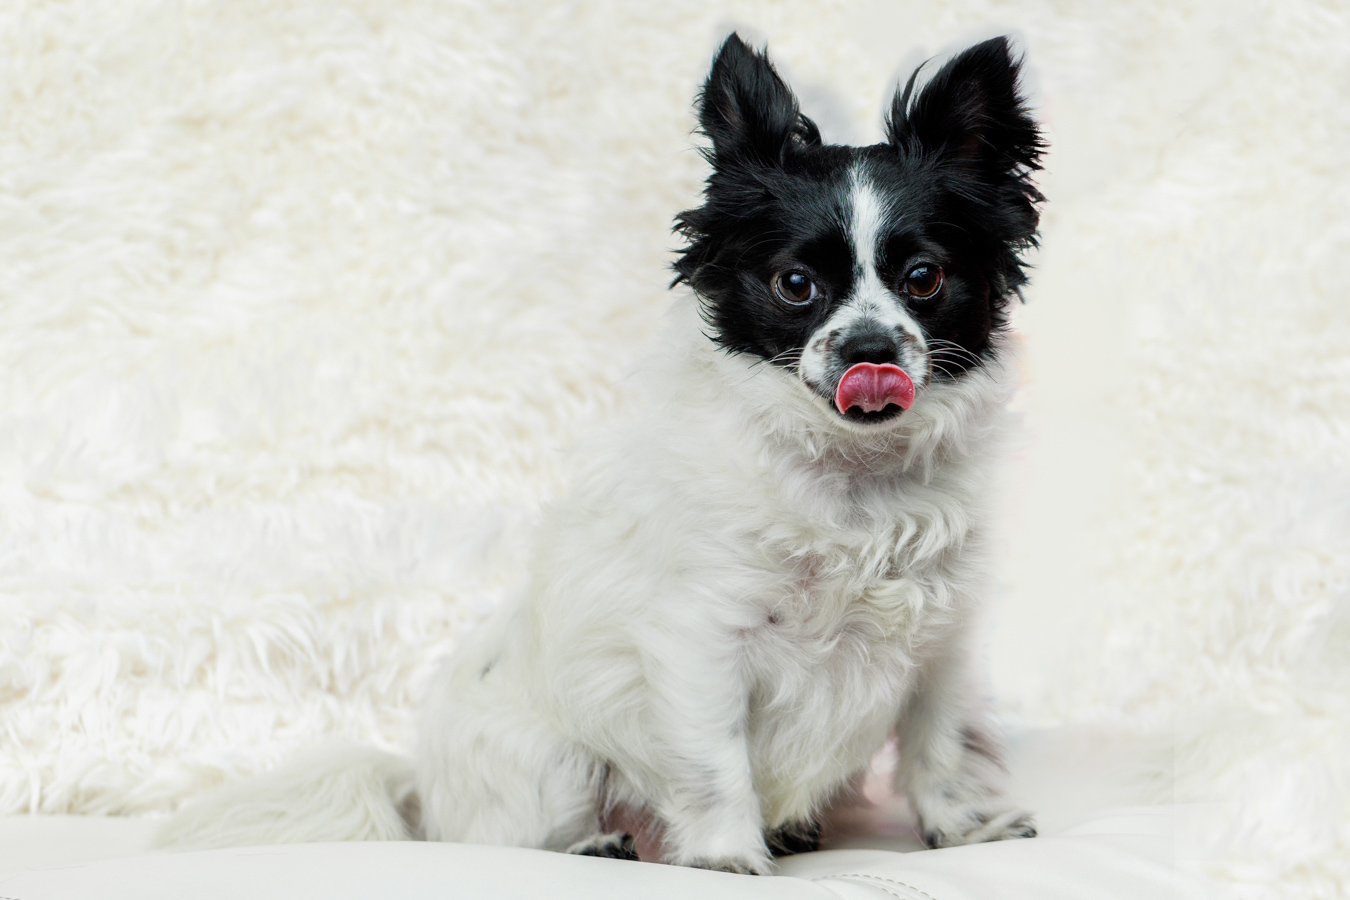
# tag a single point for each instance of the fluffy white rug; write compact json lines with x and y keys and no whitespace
{"x":300,"y":301}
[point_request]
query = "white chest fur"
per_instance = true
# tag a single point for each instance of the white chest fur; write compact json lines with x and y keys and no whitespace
{"x":851,"y":606}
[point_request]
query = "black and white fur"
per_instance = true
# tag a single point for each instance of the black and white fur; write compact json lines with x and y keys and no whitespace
{"x":747,"y":591}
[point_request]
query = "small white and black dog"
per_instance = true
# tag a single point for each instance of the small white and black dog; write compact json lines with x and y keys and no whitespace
{"x":769,"y":567}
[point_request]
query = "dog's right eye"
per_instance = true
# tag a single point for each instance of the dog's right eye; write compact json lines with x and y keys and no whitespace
{"x":795,"y":288}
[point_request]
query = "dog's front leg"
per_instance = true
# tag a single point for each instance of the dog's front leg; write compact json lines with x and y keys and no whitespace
{"x":951,"y":764}
{"x":707,"y":803}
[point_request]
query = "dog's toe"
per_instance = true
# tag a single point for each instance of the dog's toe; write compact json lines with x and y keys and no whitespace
{"x":798,"y":837}
{"x":732,"y":865}
{"x":981,"y":827}
{"x":614,"y":845}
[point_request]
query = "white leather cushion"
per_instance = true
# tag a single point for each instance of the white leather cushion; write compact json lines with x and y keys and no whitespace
{"x":1124,"y":856}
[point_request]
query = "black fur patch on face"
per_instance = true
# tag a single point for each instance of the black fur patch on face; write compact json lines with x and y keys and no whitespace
{"x":791,"y":217}
{"x":934,"y":229}
{"x":953,"y":177}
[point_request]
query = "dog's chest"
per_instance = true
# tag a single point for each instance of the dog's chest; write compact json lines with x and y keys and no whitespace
{"x":862,"y":570}
{"x":839,"y":618}
{"x":846,"y":610}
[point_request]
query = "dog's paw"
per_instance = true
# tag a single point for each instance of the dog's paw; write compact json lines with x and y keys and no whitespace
{"x":976,"y":826}
{"x":796,"y":837}
{"x":615,"y":845}
{"x":735,"y":865}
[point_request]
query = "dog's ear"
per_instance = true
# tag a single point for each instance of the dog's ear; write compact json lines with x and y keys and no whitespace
{"x":970,"y":111}
{"x":748,"y":112}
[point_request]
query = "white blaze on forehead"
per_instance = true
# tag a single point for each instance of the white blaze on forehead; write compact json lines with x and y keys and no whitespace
{"x":871,"y":299}
{"x":868,"y":215}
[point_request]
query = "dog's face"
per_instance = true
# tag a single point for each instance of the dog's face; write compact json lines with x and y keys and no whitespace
{"x":865,"y":272}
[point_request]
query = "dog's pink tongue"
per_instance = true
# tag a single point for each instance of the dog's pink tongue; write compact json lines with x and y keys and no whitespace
{"x":874,"y":387}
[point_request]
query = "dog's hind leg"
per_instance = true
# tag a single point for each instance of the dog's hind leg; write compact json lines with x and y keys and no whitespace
{"x":492,"y":771}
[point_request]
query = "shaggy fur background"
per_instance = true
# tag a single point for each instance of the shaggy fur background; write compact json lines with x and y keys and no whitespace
{"x":299,"y":302}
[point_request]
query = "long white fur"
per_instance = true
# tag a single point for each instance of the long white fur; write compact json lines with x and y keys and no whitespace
{"x":741,"y":597}
{"x":335,"y":794}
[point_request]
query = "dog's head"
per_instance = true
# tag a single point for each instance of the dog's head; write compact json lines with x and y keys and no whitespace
{"x":867,"y":273}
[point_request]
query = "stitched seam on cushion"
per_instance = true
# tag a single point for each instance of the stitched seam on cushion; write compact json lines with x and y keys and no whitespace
{"x":882,"y":886}
{"x":908,"y":887}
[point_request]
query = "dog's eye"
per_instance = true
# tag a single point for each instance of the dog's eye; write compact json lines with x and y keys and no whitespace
{"x":923,"y":281}
{"x":795,"y":288}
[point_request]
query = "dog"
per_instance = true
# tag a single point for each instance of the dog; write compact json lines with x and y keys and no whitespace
{"x":768,"y":567}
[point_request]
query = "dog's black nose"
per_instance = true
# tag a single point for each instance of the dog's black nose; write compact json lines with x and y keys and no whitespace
{"x":868,"y":347}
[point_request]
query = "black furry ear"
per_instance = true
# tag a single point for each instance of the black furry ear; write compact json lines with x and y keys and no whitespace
{"x":747,"y":110}
{"x":970,"y":111}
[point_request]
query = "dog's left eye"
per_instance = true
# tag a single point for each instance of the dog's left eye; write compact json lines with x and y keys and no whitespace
{"x":795,"y":288}
{"x":923,"y":281}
